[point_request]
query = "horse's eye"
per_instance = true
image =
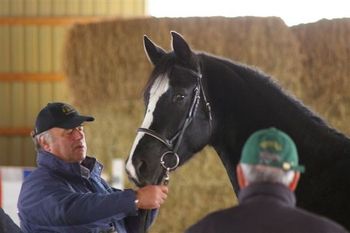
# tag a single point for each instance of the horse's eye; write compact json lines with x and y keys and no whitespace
{"x":179,"y":98}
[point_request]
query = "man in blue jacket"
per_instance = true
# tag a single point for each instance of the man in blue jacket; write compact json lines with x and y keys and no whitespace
{"x":268,"y":174}
{"x":66,"y":192}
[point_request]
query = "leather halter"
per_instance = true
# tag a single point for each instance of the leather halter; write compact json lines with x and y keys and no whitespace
{"x":174,"y":143}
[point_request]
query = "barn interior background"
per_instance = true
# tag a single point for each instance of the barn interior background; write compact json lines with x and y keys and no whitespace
{"x":90,"y":53}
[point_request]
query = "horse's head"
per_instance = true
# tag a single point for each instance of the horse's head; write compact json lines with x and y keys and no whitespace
{"x":177,"y":121}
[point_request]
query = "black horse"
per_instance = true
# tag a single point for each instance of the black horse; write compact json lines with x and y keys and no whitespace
{"x":195,"y":99}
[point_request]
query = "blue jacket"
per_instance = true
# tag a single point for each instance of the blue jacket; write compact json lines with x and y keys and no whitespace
{"x":72,"y":197}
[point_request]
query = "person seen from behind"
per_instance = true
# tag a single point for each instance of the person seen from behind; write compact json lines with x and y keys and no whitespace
{"x":268,"y":174}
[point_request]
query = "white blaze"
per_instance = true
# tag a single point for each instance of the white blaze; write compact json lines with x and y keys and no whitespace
{"x":159,"y":87}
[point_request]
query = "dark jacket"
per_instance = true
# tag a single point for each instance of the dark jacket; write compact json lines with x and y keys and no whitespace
{"x":265,"y":208}
{"x":68,"y":197}
{"x":6,"y":224}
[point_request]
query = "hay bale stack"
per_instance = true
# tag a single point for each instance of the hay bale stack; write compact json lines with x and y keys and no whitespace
{"x":109,"y":56}
{"x":326,"y":47}
{"x":107,"y":69}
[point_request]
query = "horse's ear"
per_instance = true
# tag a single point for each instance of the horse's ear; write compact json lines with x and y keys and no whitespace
{"x":180,"y":46}
{"x":153,"y":52}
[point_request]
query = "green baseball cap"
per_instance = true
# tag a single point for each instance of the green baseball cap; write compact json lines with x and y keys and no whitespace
{"x":271,"y":147}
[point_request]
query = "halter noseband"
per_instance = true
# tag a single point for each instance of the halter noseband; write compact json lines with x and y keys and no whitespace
{"x":169,"y":143}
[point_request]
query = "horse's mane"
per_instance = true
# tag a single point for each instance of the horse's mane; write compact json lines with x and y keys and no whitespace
{"x":272,"y":91}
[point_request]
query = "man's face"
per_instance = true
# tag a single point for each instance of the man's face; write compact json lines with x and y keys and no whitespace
{"x":68,"y":144}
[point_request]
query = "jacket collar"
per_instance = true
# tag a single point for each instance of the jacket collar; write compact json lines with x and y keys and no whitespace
{"x":275,"y":191}
{"x":89,"y":167}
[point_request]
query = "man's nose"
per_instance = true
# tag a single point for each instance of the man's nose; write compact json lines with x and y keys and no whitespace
{"x":78,"y":134}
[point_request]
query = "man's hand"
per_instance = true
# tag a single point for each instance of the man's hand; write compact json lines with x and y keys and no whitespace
{"x":151,"y":196}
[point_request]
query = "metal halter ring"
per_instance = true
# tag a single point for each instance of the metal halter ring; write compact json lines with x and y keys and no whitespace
{"x":162,"y":160}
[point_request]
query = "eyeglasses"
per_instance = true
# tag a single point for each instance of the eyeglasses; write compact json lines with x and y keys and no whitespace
{"x":79,"y":128}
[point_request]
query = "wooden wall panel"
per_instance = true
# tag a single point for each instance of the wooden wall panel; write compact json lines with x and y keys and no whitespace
{"x":60,"y":92}
{"x":17,"y":108}
{"x":58,"y":37}
{"x":102,"y":9}
{"x":5,"y":7}
{"x":115,"y":8}
{"x":73,"y":8}
{"x":45,"y":93}
{"x":28,"y":156}
{"x":128,"y":8}
{"x":31,"y":46}
{"x":31,"y":102}
{"x":17,"y":48}
{"x":44,"y":7}
{"x":31,"y":7}
{"x":5,"y":152}
{"x":16,"y":7}
{"x":59,"y":8}
{"x":5,"y":48}
{"x":5,"y":92}
{"x":15,"y":151}
{"x":45,"y":49}
{"x":87,"y":8}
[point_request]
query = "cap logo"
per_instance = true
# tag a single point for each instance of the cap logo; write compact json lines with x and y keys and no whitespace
{"x":66,"y":109}
{"x":267,"y":157}
{"x":272,"y":145}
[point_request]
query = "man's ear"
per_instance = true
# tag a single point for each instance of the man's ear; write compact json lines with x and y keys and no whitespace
{"x":293,"y":184}
{"x":240,"y":176}
{"x":44,"y":143}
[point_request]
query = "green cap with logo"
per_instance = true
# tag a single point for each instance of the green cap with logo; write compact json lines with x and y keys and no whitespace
{"x":271,"y":147}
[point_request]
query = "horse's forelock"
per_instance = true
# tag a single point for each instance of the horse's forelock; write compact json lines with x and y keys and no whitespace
{"x":164,"y":67}
{"x":160,"y":71}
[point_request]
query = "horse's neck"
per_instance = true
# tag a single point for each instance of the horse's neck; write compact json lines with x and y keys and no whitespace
{"x":244,"y":101}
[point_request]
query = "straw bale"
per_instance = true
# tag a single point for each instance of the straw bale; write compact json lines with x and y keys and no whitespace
{"x":107,"y":69}
{"x":109,"y":56}
{"x":326,"y":79}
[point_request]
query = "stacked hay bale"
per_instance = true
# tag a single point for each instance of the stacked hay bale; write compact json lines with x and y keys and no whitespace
{"x":326,"y":80}
{"x":107,"y":69}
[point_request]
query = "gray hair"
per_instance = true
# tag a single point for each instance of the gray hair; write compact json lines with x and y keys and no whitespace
{"x":261,"y":173}
{"x":36,"y":139}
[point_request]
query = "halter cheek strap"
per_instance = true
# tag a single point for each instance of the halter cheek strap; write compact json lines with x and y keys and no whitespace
{"x":172,"y":149}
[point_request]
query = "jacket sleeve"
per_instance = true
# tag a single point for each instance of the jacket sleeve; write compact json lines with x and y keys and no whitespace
{"x":55,"y":202}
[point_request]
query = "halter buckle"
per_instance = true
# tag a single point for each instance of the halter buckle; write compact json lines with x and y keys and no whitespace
{"x":166,"y":177}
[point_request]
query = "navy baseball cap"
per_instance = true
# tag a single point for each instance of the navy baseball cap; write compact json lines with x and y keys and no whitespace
{"x":58,"y":115}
